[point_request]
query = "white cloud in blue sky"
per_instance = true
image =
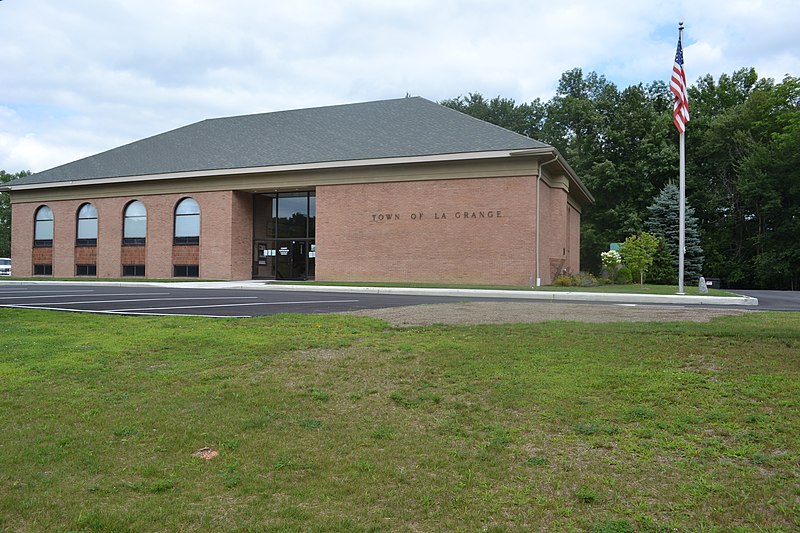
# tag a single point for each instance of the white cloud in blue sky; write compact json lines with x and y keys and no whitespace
{"x":82,"y":76}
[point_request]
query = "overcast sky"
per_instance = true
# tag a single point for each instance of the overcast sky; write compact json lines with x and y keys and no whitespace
{"x":81,"y":76}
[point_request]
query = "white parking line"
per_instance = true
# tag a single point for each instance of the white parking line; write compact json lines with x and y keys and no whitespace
{"x":98,"y":312}
{"x":231,"y":305}
{"x":23,"y":291}
{"x":76,"y":295}
{"x":79,"y":302}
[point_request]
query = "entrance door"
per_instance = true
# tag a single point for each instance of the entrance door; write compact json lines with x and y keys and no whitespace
{"x":291,"y":259}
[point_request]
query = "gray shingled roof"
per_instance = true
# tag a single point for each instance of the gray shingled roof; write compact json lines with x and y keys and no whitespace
{"x":387,"y":128}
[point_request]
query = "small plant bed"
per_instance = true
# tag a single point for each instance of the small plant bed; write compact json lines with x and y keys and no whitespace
{"x":341,"y":423}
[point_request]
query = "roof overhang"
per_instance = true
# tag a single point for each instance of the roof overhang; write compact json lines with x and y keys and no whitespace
{"x":302,"y":167}
{"x":545,"y":156}
{"x":565,"y":168}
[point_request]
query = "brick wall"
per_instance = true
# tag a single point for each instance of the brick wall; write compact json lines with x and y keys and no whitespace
{"x":469,"y":230}
{"x":575,"y":239}
{"x":465,"y":230}
{"x":22,"y":255}
{"x":553,"y":234}
{"x":223,"y":252}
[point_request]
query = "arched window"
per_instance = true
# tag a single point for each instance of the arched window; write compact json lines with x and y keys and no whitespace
{"x":43,"y":227}
{"x":134,"y":224}
{"x":187,"y":222}
{"x":87,"y":226}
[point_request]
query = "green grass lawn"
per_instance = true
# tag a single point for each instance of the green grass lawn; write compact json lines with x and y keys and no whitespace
{"x":336,"y":423}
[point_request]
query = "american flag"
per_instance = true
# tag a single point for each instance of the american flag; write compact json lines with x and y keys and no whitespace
{"x":680,"y":112}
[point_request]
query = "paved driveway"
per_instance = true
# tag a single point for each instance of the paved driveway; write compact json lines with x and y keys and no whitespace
{"x":774,"y":300}
{"x":179,"y":299}
{"x":135,"y":300}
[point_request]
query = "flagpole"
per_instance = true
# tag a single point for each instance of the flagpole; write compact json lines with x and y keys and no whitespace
{"x":682,"y":225}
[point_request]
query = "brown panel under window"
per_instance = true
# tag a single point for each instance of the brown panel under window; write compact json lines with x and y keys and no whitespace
{"x":186,"y":255}
{"x":133,"y":255}
{"x":86,"y":255}
{"x":43,"y":256}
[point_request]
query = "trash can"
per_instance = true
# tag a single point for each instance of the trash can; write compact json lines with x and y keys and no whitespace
{"x":713,"y":283}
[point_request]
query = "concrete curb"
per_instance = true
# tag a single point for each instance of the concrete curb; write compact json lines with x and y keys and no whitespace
{"x":551,"y":296}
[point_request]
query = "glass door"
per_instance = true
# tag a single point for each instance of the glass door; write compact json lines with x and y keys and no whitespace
{"x":283,"y":235}
{"x":291,"y":259}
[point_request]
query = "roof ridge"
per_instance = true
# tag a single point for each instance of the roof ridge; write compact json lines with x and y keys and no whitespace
{"x":316,"y":108}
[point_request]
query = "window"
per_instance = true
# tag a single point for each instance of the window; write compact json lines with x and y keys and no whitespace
{"x":187,"y":222}
{"x":134,"y":224}
{"x":292,"y":215}
{"x":186,"y":271}
{"x":42,"y":270}
{"x":87,"y":226}
{"x":43,"y":227}
{"x":133,"y":270}
{"x":85,"y":270}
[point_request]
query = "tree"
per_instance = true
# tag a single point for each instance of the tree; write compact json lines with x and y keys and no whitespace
{"x":619,"y":144}
{"x":5,"y":213}
{"x":742,"y":162}
{"x":664,"y":222}
{"x":638,"y":252}
{"x":526,"y":119}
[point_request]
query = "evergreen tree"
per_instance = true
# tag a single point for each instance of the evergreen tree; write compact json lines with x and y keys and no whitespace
{"x":664,"y":221}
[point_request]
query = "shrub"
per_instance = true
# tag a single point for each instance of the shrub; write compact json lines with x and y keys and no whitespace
{"x":582,"y":279}
{"x":624,"y":276}
{"x":564,"y":280}
{"x":612,"y":261}
{"x":586,"y":279}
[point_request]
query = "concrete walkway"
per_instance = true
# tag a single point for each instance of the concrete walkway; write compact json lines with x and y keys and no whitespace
{"x":552,"y":296}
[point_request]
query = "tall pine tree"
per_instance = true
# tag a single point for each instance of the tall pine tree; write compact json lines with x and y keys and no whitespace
{"x":664,"y":221}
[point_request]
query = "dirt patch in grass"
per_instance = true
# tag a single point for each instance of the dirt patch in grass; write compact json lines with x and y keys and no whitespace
{"x":533,"y":312}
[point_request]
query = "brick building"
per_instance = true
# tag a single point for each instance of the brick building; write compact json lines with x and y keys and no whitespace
{"x":394,"y":190}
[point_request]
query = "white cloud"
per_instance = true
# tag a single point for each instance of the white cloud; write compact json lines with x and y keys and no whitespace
{"x":87,"y":75}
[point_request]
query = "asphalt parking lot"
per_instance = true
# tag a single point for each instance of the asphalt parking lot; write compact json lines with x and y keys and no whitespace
{"x":215,"y":300}
{"x":180,"y":301}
